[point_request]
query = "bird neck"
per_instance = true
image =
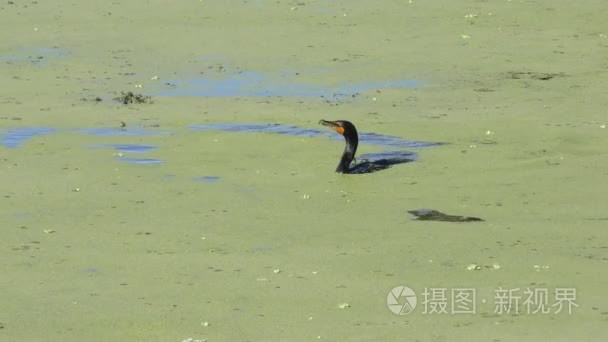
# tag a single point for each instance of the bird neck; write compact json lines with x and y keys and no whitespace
{"x":349,"y":153}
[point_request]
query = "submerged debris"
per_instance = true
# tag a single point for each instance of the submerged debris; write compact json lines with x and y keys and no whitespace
{"x":434,"y":215}
{"x":91,"y":99}
{"x":540,"y":76}
{"x":130,"y":97}
{"x":473,"y":267}
{"x":343,"y":305}
{"x":476,"y":267}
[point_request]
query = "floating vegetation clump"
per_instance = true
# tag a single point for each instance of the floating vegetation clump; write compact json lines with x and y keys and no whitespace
{"x":130,"y":97}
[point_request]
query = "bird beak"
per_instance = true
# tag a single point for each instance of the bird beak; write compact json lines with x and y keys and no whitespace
{"x":333,"y":126}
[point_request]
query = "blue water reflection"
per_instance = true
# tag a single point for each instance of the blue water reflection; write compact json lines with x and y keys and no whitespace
{"x":140,"y":161}
{"x":15,"y":137}
{"x":127,"y":148}
{"x":366,"y":138}
{"x":249,"y":83}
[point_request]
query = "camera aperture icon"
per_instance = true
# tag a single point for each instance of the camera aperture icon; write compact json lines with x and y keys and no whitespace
{"x":401,"y":300}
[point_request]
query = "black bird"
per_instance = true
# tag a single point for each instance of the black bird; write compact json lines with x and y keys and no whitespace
{"x":349,"y":132}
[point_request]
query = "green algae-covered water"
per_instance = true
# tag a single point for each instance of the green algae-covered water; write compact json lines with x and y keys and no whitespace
{"x":147,"y":222}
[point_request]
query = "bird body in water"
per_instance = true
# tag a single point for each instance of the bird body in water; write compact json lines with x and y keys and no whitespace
{"x":349,"y":132}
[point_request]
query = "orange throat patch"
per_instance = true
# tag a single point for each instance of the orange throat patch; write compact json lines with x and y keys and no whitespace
{"x":340,"y":130}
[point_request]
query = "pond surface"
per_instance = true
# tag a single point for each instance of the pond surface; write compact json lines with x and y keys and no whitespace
{"x":215,"y":213}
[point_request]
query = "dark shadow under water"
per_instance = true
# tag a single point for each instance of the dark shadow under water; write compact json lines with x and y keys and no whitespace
{"x":372,"y":162}
{"x":434,"y":215}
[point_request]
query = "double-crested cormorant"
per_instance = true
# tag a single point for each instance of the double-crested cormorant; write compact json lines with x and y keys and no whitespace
{"x":349,"y":132}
